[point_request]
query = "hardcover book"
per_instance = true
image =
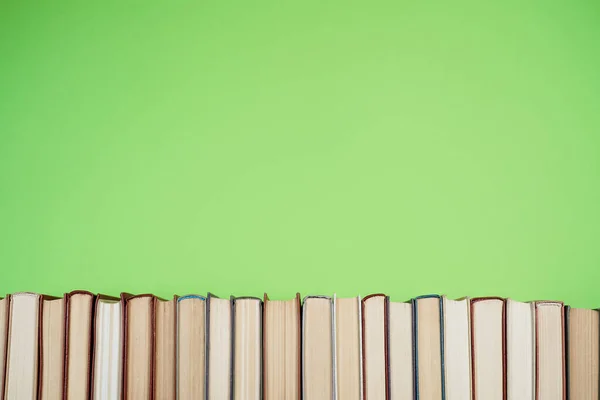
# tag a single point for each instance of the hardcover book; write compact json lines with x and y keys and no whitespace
{"x":457,"y":348}
{"x":281,"y":346}
{"x":4,"y":321}
{"x":80,"y":308}
{"x":107,"y":366}
{"x":375,"y":346}
{"x":318,"y":348}
{"x":52,"y":355}
{"x":428,"y":317}
{"x":247,"y":348}
{"x":165,"y":348}
{"x":520,"y":350}
{"x":488,"y":353}
{"x":22,"y":359}
{"x":348,"y":347}
{"x":400,"y":344}
{"x":191,"y":347}
{"x":138,"y":360}
{"x":583,"y":353}
{"x":550,"y":350}
{"x":218,"y":349}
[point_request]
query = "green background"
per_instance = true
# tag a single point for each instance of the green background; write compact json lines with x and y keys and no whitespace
{"x":238,"y":147}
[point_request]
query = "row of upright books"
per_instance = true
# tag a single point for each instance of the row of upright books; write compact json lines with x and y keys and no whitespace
{"x":83,"y":346}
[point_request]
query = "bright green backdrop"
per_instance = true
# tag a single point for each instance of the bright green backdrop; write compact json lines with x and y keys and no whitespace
{"x":238,"y":147}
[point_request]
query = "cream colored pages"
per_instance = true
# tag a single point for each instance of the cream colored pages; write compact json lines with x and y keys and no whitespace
{"x":247,"y":375}
{"x":520,"y":350}
{"x":374,"y":339}
{"x":348,"y":327}
{"x":219,"y":349}
{"x":164,"y":379}
{"x":429,"y":348}
{"x":3,"y":338}
{"x":23,"y":345}
{"x":139,"y":348}
{"x":550,"y":362}
{"x":191,"y":348}
{"x":487,"y":318}
{"x":400,"y":351}
{"x":53,"y":349}
{"x":457,"y":349}
{"x":583,"y":354}
{"x":108,"y":350}
{"x":281,"y":364}
{"x":79,"y":343}
{"x":317,"y":348}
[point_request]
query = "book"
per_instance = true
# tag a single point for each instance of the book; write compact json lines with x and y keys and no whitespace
{"x":429,"y":351}
{"x":138,"y":360}
{"x":520,"y":350}
{"x":4,"y":313}
{"x":191,"y":347}
{"x":550,"y":350}
{"x":107,"y":365}
{"x":21,"y":381}
{"x":52,"y":355}
{"x":165,"y":348}
{"x":348,"y":347}
{"x":375,"y":346}
{"x":400,"y":343}
{"x":488,"y":351}
{"x":218,"y":347}
{"x":83,"y":345}
{"x":318,"y":348}
{"x":78,"y":343}
{"x":281,"y":347}
{"x":247,"y":348}
{"x":582,"y":334}
{"x":457,"y":349}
